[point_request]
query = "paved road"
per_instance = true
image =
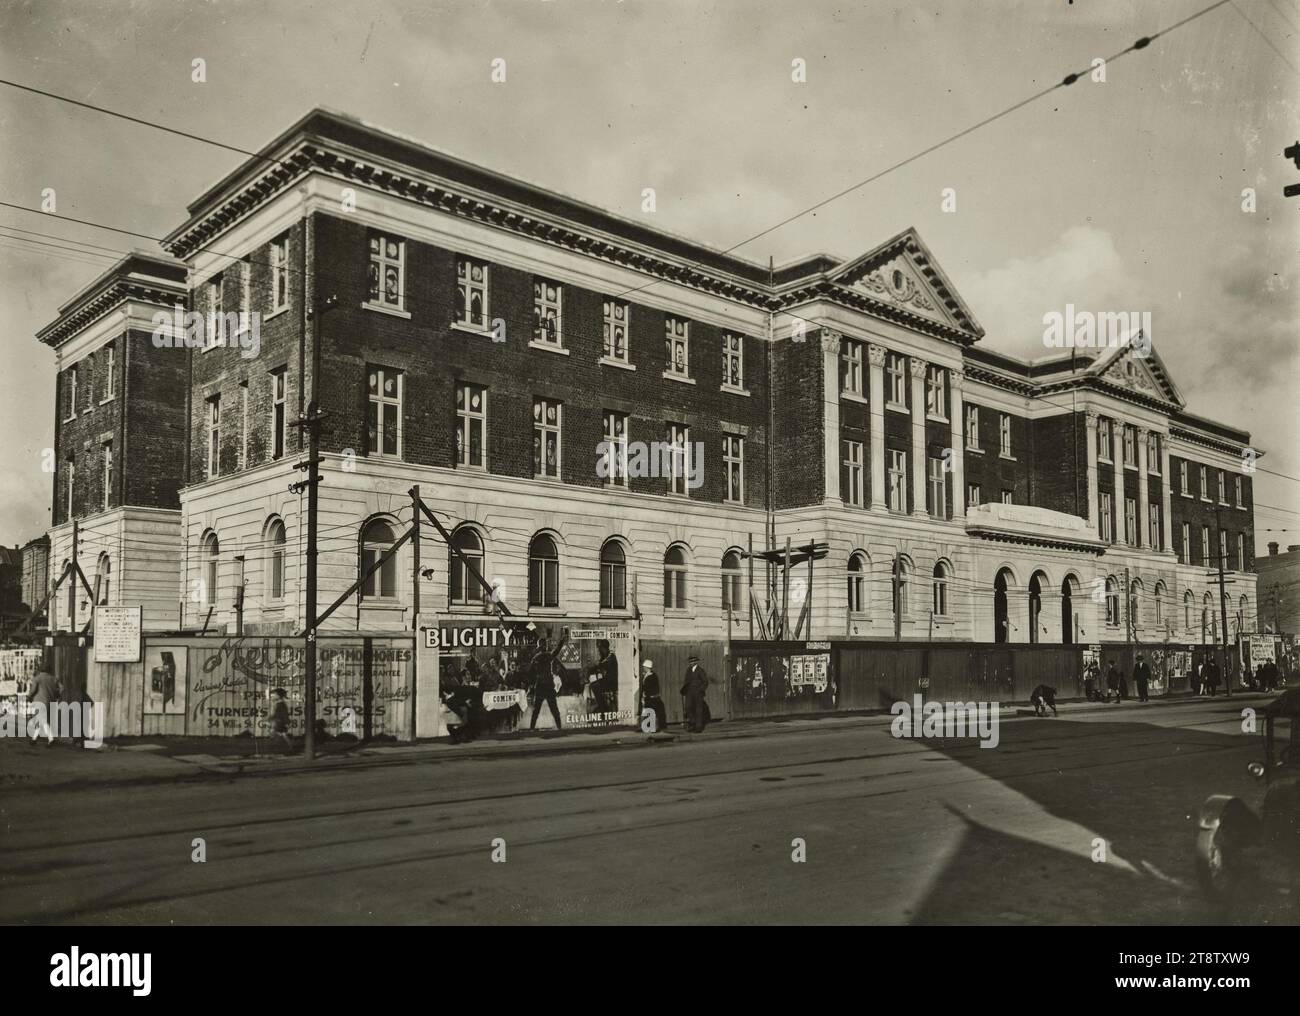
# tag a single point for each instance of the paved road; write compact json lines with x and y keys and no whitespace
{"x":895,"y":831}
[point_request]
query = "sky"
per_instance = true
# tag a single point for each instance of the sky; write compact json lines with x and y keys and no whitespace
{"x":1122,"y":194}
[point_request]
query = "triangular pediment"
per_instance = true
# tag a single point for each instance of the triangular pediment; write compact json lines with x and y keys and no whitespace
{"x":1138,"y":368}
{"x":902,"y":274}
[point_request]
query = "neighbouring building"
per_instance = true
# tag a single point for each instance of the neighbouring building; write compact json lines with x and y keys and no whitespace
{"x":36,"y":576}
{"x":1279,"y":590}
{"x":119,"y":444}
{"x":604,"y":414}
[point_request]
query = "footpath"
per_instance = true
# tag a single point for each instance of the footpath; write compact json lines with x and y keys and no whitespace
{"x":27,"y":766}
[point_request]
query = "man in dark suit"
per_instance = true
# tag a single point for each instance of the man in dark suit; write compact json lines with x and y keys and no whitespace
{"x":1141,"y":675}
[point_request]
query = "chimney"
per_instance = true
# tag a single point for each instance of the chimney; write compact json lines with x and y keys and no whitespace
{"x":1272,"y":548}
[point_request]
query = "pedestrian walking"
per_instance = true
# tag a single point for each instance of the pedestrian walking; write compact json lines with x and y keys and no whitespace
{"x":45,"y":691}
{"x":695,"y":710}
{"x":1141,"y":677}
{"x":1113,"y":683}
{"x":652,"y":699}
{"x":1211,"y":677}
{"x":280,"y":718}
{"x":543,"y":673}
{"x":1271,"y":675}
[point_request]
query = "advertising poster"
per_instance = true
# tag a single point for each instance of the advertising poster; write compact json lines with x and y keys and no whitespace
{"x":165,"y":680}
{"x":801,"y":681}
{"x":493,"y":678}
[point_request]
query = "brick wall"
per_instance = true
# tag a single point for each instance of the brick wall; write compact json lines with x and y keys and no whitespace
{"x":1197,"y":512}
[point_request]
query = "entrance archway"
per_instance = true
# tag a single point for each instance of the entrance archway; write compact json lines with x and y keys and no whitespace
{"x":1001,"y":619}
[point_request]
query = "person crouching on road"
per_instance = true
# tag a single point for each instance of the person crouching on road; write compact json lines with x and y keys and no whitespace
{"x":1043,"y":698}
{"x":1142,"y":677}
{"x":694,"y":708}
{"x":651,"y":698}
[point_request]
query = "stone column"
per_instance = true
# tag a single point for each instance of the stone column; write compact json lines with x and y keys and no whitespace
{"x":1091,"y":431}
{"x":1167,"y":522}
{"x":956,"y":409}
{"x":918,"y":437}
{"x":830,"y":342}
{"x":876,"y":395}
{"x":1143,"y":512}
{"x":1117,"y":499}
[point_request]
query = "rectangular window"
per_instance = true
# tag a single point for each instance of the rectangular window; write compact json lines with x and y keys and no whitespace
{"x":1103,"y":439}
{"x":1106,"y":517}
{"x":936,"y":490}
{"x":548,"y":309}
{"x":973,"y":427}
{"x":110,"y":371}
{"x":1223,"y":487}
{"x":1237,"y":489}
{"x":72,"y":392}
{"x":897,"y":481}
{"x":733,"y":362}
{"x":1153,"y":453}
{"x":280,"y":273}
{"x":1185,"y":551}
{"x":894,"y":368}
{"x":936,"y":393}
{"x":1205,"y":545}
{"x":1153,"y":525}
{"x":214,"y":436}
{"x":1130,"y":521}
{"x":1241,"y":552}
{"x":1004,"y":434}
{"x":851,"y":367}
{"x":1205,"y":483}
{"x":546,"y":437}
{"x":279,"y":391}
{"x":471,"y":425}
{"x":851,"y":473}
{"x":108,"y":473}
{"x":1130,"y":445}
{"x":1182,"y":478}
{"x":384,"y":405}
{"x":472,"y":292}
{"x":615,"y":449}
{"x":679,"y":452}
{"x":216,"y":314}
{"x":615,"y":329}
{"x":387,"y":272}
{"x":973,"y":495}
{"x":677,"y":343}
{"x":1007,"y":497}
{"x":733,"y":462}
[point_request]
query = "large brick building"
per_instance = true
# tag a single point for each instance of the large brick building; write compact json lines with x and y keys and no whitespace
{"x":501,"y":345}
{"x":119,"y":439}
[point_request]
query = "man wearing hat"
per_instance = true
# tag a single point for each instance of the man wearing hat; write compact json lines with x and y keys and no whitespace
{"x":1142,"y":676}
{"x":694,"y":708}
{"x":651,"y":699}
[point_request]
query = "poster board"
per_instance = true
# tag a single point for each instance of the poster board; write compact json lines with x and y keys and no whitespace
{"x":117,"y":634}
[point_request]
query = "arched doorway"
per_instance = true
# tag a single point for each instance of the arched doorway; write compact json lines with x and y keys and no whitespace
{"x":1001,"y":620}
{"x":1067,"y":611}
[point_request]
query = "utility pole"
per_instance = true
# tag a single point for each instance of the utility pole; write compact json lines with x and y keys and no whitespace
{"x":312,"y":422}
{"x":76,"y":568}
{"x":898,"y":604}
{"x":1223,"y":603}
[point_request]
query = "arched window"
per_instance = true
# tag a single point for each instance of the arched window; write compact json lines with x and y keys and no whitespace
{"x":613,"y":576}
{"x":464,"y":589}
{"x":1243,"y":619}
{"x":1160,"y":605}
{"x":1112,"y":601}
{"x":376,"y":539}
{"x":732,"y":596}
{"x":675,"y":578}
{"x":275,"y":559}
{"x":543,"y":572}
{"x":1187,"y":610}
{"x":104,"y":572}
{"x":1206,"y":618}
{"x":902,"y":585}
{"x":1134,"y":604}
{"x":1001,"y":606}
{"x":1036,"y":584}
{"x":211,"y":560}
{"x":858,"y":583}
{"x":941,"y":573}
